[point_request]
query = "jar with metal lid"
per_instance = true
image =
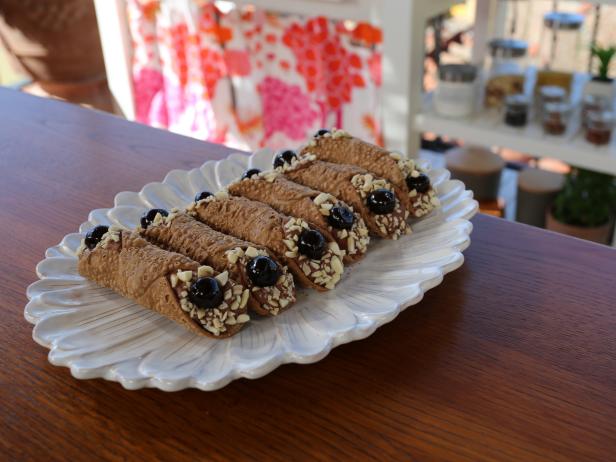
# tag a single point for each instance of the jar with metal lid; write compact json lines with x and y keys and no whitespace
{"x":561,"y":44}
{"x":599,"y":126}
{"x":552,"y":94}
{"x":555,"y":118}
{"x":455,"y":95}
{"x":549,"y":94}
{"x":593,"y":103}
{"x":516,"y":110}
{"x":506,"y":68}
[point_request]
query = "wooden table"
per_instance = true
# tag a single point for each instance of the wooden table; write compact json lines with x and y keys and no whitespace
{"x":512,"y":357}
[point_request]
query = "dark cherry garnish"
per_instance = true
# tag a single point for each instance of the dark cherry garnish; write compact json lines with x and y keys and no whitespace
{"x":420,"y":183}
{"x":312,"y":244}
{"x":251,"y":172}
{"x":206,"y":293}
{"x":321,"y":132}
{"x":263,"y":271}
{"x":341,"y":217}
{"x":381,"y":201}
{"x":95,"y":235}
{"x":283,"y":157}
{"x":202,"y":195}
{"x":148,"y":218}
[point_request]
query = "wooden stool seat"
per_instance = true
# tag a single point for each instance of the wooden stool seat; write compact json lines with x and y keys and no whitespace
{"x":536,"y":191}
{"x":479,"y":168}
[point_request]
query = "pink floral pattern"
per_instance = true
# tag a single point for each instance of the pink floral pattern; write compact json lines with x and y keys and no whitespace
{"x":148,"y":84}
{"x":238,"y":62}
{"x":330,"y":71}
{"x":374,"y":64}
{"x":288,"y":109}
{"x":250,"y":78}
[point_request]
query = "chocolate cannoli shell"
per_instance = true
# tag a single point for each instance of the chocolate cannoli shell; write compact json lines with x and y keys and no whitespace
{"x":205,"y":245}
{"x":139,"y":271}
{"x":254,"y":222}
{"x":351,"y":150}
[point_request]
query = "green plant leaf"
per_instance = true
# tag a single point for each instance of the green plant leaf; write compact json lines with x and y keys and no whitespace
{"x":588,"y":199}
{"x":604,"y":55}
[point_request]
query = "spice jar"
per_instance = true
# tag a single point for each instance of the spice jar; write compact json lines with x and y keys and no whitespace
{"x":599,"y":127}
{"x":455,"y":94}
{"x":561,"y":41}
{"x":516,"y":110}
{"x":555,"y":118}
{"x":549,"y":94}
{"x":593,"y":103}
{"x":505,"y":70}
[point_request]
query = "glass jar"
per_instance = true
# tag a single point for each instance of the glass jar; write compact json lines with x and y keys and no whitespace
{"x":455,"y":94}
{"x":516,"y":110}
{"x":561,"y":44}
{"x":505,"y":70}
{"x":593,"y":103}
{"x":552,"y":94}
{"x":547,"y":78}
{"x":555,"y":117}
{"x":549,"y":94}
{"x":599,"y":125}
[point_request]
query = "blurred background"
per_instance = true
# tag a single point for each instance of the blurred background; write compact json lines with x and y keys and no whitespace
{"x":515,"y":97}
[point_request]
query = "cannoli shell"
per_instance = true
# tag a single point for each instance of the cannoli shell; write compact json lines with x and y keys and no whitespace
{"x":254,"y":222}
{"x":375,"y":159}
{"x":198,"y":241}
{"x":139,"y":271}
{"x":286,"y":197}
{"x":188,"y":236}
{"x":335,"y":179}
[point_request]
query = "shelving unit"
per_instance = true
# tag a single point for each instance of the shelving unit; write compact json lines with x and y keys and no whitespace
{"x":601,"y":2}
{"x":487,"y":128}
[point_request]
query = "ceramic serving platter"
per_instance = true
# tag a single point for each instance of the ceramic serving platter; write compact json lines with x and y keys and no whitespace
{"x":97,"y":333}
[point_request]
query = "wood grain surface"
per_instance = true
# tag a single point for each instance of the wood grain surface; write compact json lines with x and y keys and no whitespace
{"x":512,"y":357}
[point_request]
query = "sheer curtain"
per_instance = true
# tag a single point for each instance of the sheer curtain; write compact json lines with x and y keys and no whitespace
{"x":249,"y":78}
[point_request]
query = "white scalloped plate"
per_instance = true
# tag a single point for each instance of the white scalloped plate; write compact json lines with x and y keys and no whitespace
{"x":97,"y":333}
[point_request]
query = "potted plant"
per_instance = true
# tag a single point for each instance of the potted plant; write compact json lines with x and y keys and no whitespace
{"x":56,"y":43}
{"x":585,"y":206}
{"x":601,"y":84}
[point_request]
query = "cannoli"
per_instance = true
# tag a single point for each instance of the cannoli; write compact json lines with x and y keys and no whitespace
{"x":332,"y":217}
{"x":313,"y":260}
{"x":411,"y":184}
{"x":372,"y":197}
{"x":271,"y":286}
{"x":196,"y":297}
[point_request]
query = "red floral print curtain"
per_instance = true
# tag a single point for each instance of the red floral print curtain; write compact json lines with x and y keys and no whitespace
{"x":249,"y":78}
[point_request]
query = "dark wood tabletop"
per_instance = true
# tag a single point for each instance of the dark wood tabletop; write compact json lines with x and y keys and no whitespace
{"x":512,"y":357}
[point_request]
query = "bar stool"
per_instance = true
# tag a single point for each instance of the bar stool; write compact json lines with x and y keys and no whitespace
{"x":480,"y":170}
{"x":536,"y":191}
